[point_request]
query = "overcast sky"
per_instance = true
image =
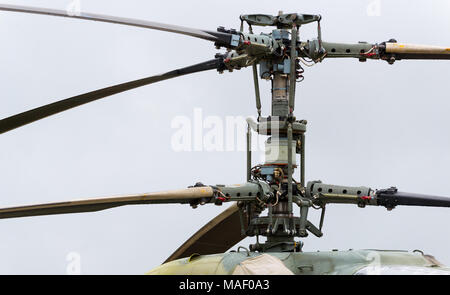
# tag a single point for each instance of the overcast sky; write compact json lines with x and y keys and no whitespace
{"x":369,"y":124}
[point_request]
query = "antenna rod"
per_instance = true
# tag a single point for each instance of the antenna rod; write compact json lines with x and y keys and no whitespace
{"x":249,"y":152}
{"x":258,"y":98}
{"x":292,"y":75}
{"x":302,"y":160}
{"x":289,"y":147}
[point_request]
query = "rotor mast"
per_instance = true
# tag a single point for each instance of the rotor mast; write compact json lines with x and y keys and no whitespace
{"x":286,"y":140}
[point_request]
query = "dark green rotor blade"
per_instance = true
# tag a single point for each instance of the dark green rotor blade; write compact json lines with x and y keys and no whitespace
{"x":217,"y":236}
{"x":30,"y":116}
{"x":391,"y":198}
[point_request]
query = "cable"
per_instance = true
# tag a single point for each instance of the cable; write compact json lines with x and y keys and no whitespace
{"x":303,"y":61}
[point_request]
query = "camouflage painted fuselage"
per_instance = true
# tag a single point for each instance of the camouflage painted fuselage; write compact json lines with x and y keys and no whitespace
{"x":312,"y":263}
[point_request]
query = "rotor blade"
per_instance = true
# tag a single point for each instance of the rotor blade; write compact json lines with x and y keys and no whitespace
{"x":97,"y":204}
{"x":413,"y":51}
{"x":391,"y":198}
{"x":220,"y":37}
{"x":217,"y":236}
{"x":30,"y":116}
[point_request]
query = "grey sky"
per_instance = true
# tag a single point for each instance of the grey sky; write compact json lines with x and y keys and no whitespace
{"x":369,"y":124}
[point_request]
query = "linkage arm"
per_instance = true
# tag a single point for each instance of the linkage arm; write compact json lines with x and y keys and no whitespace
{"x":389,"y":51}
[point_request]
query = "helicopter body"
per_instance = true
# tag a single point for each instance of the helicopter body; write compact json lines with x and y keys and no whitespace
{"x":334,"y":262}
